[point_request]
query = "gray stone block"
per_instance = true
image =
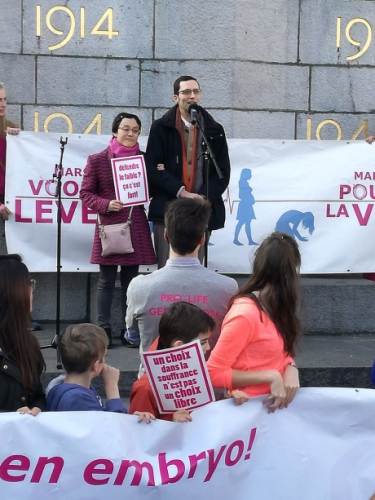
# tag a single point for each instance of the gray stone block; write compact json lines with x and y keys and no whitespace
{"x":19,"y":75}
{"x":332,"y":351}
{"x":332,"y":126}
{"x":79,"y":119}
{"x":133,"y":22}
{"x":270,"y":87}
{"x":11,"y":21}
{"x":215,"y":78}
{"x":159,"y":112}
{"x":338,"y":306}
{"x":73,"y":304}
{"x":256,"y":124}
{"x":233,"y":31}
{"x":191,"y":30}
{"x":318,"y":32}
{"x":342,"y":89}
{"x":243,"y":85}
{"x":70,"y":81}
{"x":13,"y":113}
{"x":278,"y":20}
{"x":336,"y":377}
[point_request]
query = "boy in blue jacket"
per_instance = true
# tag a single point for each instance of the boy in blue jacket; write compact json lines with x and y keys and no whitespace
{"x":83,"y":348}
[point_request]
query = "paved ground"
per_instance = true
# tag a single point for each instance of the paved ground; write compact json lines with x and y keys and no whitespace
{"x":317,"y":351}
{"x":123,"y":358}
{"x":324,"y":360}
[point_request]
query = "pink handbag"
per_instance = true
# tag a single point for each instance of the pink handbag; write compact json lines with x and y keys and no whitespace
{"x":116,"y":238}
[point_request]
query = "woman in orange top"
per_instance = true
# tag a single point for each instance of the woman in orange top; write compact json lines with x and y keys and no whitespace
{"x":260,"y":331}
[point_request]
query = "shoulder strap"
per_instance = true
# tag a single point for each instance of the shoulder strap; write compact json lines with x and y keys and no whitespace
{"x":129,"y":216}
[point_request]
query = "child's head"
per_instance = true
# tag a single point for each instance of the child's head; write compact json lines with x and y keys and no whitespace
{"x":82,"y":345}
{"x":183,"y":322}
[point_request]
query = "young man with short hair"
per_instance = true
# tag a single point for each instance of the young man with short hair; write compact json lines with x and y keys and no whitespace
{"x":183,"y":278}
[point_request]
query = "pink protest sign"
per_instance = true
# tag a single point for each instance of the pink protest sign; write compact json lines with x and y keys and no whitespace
{"x":130,"y":179}
{"x":179,"y":378}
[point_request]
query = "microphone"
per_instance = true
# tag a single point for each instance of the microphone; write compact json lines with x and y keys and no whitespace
{"x":193,"y":110}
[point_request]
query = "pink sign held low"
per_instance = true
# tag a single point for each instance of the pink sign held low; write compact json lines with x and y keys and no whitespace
{"x":130,"y":179}
{"x":179,"y":378}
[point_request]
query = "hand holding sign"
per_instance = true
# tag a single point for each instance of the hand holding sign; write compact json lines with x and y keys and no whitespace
{"x":130,"y":179}
{"x":179,"y":378}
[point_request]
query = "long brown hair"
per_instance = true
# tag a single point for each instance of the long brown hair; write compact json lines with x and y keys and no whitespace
{"x":275,"y":276}
{"x":16,"y":340}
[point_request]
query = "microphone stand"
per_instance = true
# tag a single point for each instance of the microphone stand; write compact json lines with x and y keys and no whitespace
{"x":208,"y":155}
{"x":57,"y":175}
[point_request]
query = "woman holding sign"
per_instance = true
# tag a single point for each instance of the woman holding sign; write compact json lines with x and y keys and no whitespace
{"x":259,"y":332}
{"x":98,"y":193}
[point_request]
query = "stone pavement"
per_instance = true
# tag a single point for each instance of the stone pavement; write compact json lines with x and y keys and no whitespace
{"x":324,"y":360}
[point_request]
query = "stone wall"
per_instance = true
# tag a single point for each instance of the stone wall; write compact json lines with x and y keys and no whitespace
{"x":286,"y":69}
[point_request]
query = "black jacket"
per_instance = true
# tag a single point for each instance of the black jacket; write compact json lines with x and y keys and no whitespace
{"x":13,"y":394}
{"x":164,"y":146}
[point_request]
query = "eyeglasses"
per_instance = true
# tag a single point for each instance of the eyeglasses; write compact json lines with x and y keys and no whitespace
{"x":127,"y":130}
{"x":32,"y":284}
{"x":190,"y":91}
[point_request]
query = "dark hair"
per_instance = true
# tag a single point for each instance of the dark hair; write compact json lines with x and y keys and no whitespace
{"x":81,"y":345}
{"x":17,"y":342}
{"x":183,"y":321}
{"x":185,"y":78}
{"x":185,"y":221}
{"x":120,"y":117}
{"x":275,"y":275}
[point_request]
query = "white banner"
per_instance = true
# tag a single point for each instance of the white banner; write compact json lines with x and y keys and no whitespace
{"x":32,"y":228}
{"x":321,"y":447}
{"x":321,"y":192}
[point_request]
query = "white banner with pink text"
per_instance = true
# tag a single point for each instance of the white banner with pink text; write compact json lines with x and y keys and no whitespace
{"x":321,"y":447}
{"x":320,"y":192}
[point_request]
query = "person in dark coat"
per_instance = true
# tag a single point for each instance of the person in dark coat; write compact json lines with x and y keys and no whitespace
{"x":21,"y":360}
{"x":175,"y":164}
{"x":98,"y":193}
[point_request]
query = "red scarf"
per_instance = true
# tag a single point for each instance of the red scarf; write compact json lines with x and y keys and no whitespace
{"x":189,"y":183}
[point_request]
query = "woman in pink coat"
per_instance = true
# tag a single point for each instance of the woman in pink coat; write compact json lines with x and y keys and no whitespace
{"x":98,"y":193}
